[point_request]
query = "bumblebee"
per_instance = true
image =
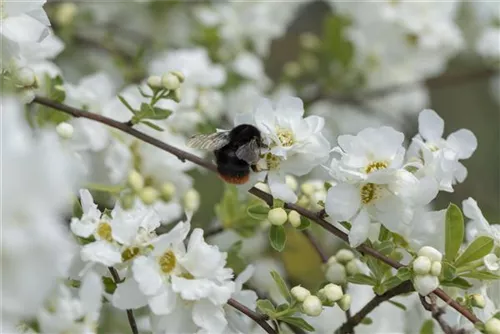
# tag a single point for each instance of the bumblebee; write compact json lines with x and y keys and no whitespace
{"x":236,"y":151}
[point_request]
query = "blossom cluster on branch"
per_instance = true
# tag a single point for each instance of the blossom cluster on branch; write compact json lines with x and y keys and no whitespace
{"x":108,"y":214}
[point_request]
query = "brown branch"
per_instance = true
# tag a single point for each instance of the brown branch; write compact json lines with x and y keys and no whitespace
{"x":437,"y":313}
{"x":348,"y":326}
{"x":258,"y":318}
{"x":130,"y":313}
{"x":183,"y":156}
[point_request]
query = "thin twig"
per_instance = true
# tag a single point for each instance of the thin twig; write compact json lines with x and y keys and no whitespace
{"x":316,"y":246}
{"x":437,"y":313}
{"x":348,"y":326}
{"x":183,"y":156}
{"x":130,"y":313}
{"x":258,"y":318}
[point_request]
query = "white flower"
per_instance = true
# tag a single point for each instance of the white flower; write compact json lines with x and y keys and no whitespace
{"x":300,"y":293}
{"x":296,"y":144}
{"x":312,"y":306}
{"x":65,"y":313}
{"x":479,"y":225}
{"x":23,"y":24}
{"x":171,"y":278}
{"x":374,"y":184}
{"x":38,"y":179}
{"x":440,"y":157}
{"x":492,"y":262}
{"x":333,"y":292}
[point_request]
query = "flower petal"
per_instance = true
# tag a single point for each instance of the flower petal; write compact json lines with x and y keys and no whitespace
{"x":430,"y":125}
{"x":463,"y":142}
{"x":145,"y":272}
{"x":128,"y":295}
{"x":279,"y":189}
{"x":209,"y":317}
{"x":360,"y":229}
{"x":101,"y":252}
{"x":164,"y":302}
{"x":342,"y":201}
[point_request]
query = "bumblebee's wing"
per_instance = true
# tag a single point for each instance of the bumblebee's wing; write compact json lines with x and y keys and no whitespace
{"x":211,"y":142}
{"x":249,"y":152}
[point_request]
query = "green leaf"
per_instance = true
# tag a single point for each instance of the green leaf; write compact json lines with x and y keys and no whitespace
{"x":282,"y":307}
{"x":398,"y":305}
{"x":385,"y":247}
{"x":304,"y":223}
{"x":384,"y":234}
{"x":457,"y":282}
{"x":362,"y":279}
{"x":282,"y":286}
{"x":234,"y":260}
{"x":404,"y":273}
{"x":298,"y":322}
{"x":427,"y":327}
{"x":327,"y":185}
{"x":449,"y":271}
{"x":391,"y":282}
{"x":480,"y":274}
{"x":77,"y":208}
{"x":159,"y":113}
{"x":152,"y":125}
{"x":454,"y":232}
{"x":126,"y":104}
{"x":266,"y":307}
{"x":367,"y":321}
{"x":477,"y":249}
{"x":277,"y":237}
{"x":258,"y":211}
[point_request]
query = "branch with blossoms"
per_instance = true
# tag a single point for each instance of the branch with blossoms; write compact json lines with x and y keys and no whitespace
{"x":428,"y":255}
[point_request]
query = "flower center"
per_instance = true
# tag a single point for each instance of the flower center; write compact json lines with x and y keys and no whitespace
{"x":104,"y":231}
{"x":167,"y":261}
{"x":376,"y":165}
{"x":273,"y":161}
{"x":286,"y":137}
{"x":369,"y":192}
{"x":130,"y":253}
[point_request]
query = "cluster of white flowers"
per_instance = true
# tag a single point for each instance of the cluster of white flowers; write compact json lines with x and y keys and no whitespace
{"x":378,"y":181}
{"x":427,"y":268}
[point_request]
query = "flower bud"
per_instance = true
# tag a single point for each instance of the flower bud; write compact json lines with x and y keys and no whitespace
{"x":294,"y":218}
{"x":277,"y":216}
{"x":422,"y":265}
{"x":432,"y":253}
{"x":477,"y":300}
{"x":492,"y":326}
{"x":436,"y":268}
{"x":292,"y":69}
{"x":65,"y":130}
{"x":309,"y":41}
{"x":291,"y":182}
{"x":148,"y":195}
{"x":300,"y":293}
{"x":179,"y":76}
{"x":135,"y":180}
{"x":307,"y":188}
{"x":192,"y":200}
{"x":263,"y":186}
{"x":332,"y":260}
{"x":333,"y":292}
{"x":344,"y":256}
{"x":336,"y":273}
{"x":26,"y":77}
{"x":303,"y":201}
{"x":65,"y":13}
{"x":345,"y":302}
{"x":177,"y":95}
{"x":352,"y":267}
{"x":170,"y":81}
{"x":127,"y":201}
{"x":167,"y":191}
{"x":312,"y":306}
{"x":154,"y":82}
{"x":425,"y":284}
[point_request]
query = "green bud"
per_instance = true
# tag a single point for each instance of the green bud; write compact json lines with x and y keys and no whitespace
{"x":294,"y":218}
{"x":154,"y":82}
{"x":135,"y":180}
{"x":167,"y":191}
{"x":176,"y":96}
{"x":292,"y":69}
{"x":277,"y":216}
{"x":344,"y":256}
{"x":352,"y":267}
{"x":179,"y":76}
{"x":127,"y":201}
{"x":345,"y":302}
{"x":170,"y":81}
{"x":148,"y":195}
